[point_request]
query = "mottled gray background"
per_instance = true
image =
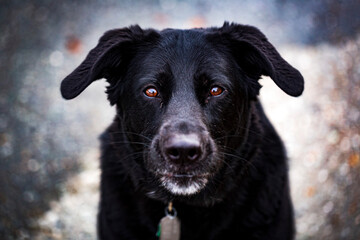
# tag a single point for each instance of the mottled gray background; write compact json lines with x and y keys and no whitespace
{"x":48,"y":147}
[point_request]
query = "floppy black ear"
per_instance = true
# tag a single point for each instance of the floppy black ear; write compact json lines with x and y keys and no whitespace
{"x":259,"y":57}
{"x":112,"y":50}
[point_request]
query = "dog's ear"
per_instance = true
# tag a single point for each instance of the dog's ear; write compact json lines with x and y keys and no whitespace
{"x":256,"y":56}
{"x":114,"y":49}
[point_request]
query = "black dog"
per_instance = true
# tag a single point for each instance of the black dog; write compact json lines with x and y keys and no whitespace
{"x":190,"y":130}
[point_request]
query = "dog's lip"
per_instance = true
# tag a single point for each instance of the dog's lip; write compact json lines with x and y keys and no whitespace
{"x":184,"y":175}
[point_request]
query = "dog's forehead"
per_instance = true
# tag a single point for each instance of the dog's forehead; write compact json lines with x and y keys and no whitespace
{"x":183,"y":54}
{"x":185,"y":47}
{"x":182,"y":40}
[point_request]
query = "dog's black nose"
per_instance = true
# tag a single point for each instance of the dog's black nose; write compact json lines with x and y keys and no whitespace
{"x":183,"y":148}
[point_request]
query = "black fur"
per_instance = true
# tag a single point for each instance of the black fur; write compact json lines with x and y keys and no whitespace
{"x":238,"y":165}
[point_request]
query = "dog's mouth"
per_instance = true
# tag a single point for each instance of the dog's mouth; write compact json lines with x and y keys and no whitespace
{"x":183,"y":183}
{"x":183,"y":157}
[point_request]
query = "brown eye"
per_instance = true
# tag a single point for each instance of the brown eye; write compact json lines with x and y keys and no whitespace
{"x":151,"y":92}
{"x":216,"y":91}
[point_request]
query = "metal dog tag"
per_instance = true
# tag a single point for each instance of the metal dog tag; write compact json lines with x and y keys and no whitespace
{"x":169,"y":226}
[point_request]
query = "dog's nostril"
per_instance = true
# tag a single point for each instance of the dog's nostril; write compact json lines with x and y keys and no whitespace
{"x":183,"y":153}
{"x":173,"y":153}
{"x":193,"y":153}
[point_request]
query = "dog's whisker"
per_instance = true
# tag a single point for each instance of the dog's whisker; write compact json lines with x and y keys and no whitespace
{"x":227,"y":136}
{"x":117,"y":166}
{"x":132,"y":133}
{"x":121,"y":159}
{"x":248,"y":162}
{"x":239,"y":136}
{"x":130,"y":142}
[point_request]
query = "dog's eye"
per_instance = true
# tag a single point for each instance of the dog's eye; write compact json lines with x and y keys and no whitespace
{"x":216,"y":91}
{"x":151,"y":92}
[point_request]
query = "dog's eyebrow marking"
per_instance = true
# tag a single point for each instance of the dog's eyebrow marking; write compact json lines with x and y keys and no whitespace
{"x":220,"y":79}
{"x":150,"y":79}
{"x":213,"y":75}
{"x":160,"y":78}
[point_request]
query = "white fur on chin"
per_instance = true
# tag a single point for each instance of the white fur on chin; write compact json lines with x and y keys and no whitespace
{"x":190,"y":189}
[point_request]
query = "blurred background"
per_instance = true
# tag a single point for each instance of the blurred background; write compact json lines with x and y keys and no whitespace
{"x":49,"y":174}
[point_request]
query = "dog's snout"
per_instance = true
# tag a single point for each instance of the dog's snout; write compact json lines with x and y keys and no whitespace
{"x":183,"y":148}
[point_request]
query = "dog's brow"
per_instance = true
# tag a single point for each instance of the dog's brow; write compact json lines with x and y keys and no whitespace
{"x":221,"y":79}
{"x":148,"y":79}
{"x":215,"y":78}
{"x":157,"y":78}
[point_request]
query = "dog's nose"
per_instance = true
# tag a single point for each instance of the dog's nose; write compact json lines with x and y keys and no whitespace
{"x":183,"y":148}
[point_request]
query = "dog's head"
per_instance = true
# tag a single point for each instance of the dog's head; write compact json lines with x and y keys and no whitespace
{"x":185,"y":95}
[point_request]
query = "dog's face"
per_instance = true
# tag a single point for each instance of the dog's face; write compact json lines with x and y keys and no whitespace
{"x":183,"y":99}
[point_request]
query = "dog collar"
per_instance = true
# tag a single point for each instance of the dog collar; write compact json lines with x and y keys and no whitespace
{"x":169,"y":226}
